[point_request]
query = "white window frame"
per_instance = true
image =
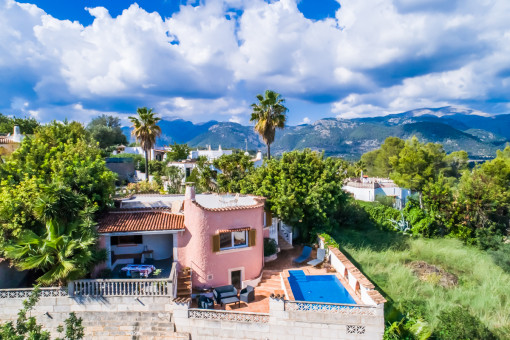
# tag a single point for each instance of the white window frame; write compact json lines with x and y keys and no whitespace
{"x":247,"y":235}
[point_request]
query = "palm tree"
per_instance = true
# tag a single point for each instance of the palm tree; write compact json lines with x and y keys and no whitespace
{"x":65,"y":251}
{"x":269,"y":114}
{"x":146,"y":130}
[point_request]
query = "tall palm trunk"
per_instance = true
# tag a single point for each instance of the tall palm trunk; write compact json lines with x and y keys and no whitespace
{"x":268,"y":151}
{"x":146,"y":166}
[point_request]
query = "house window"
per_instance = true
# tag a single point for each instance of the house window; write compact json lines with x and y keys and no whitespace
{"x":235,"y":239}
{"x":126,"y":240}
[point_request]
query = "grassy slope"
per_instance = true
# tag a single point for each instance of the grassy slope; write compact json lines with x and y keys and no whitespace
{"x":382,"y":257}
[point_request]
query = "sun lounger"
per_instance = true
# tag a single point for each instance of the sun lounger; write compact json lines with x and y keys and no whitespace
{"x":321,"y":254}
{"x":304,"y":255}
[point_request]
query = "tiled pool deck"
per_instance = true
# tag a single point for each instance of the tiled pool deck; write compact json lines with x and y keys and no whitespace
{"x":271,"y":282}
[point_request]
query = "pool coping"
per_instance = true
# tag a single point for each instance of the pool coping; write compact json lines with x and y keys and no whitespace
{"x":289,"y":295}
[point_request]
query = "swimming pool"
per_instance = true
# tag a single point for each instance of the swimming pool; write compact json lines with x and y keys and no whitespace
{"x":318,"y":288}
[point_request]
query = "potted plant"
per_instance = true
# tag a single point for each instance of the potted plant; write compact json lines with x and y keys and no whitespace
{"x":270,"y":250}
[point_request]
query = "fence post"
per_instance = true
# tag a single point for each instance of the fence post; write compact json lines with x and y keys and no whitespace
{"x":70,"y":288}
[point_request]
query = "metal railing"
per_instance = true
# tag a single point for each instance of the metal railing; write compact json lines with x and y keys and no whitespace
{"x":286,"y":232}
{"x":334,"y":308}
{"x":209,"y":314}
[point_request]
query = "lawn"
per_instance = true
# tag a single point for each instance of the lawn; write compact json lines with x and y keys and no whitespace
{"x":384,"y":257}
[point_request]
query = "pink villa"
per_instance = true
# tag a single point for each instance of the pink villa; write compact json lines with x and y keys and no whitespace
{"x":220,"y":237}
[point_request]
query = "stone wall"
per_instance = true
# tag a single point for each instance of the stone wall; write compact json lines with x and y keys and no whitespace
{"x":103,"y":318}
{"x":280,"y":323}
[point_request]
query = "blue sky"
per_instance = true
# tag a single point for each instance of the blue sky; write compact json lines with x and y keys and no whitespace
{"x":203,"y":60}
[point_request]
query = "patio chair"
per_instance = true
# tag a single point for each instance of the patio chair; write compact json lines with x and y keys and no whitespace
{"x":205,"y":302}
{"x":321,"y":255}
{"x":247,"y":294}
{"x":304,"y":255}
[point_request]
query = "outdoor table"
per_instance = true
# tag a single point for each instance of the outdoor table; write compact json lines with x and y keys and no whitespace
{"x":143,"y":269}
{"x":233,"y":299}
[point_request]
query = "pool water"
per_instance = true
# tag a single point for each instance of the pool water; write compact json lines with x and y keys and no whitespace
{"x":318,"y":288}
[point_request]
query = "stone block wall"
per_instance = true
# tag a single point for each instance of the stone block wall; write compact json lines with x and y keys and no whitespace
{"x":103,"y":318}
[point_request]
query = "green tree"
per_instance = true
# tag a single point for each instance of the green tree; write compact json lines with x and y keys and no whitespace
{"x":379,"y":163}
{"x":60,"y":157}
{"x":484,"y":204}
{"x":455,"y":163}
{"x":64,"y":252}
{"x":203,"y":176}
{"x":233,"y":168}
{"x":178,"y":152}
{"x":106,"y":130}
{"x":417,"y":164}
{"x":174,"y":177}
{"x":303,"y":188}
{"x":26,"y":125}
{"x":146,"y":130}
{"x":269,"y":114}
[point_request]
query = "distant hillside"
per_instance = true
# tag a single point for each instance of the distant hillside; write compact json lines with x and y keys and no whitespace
{"x":457,"y":129}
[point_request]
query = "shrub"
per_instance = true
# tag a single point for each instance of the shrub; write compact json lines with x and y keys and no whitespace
{"x":457,"y":323}
{"x":270,"y":247}
{"x":380,"y":214}
{"x":501,"y":257}
{"x":143,"y":187}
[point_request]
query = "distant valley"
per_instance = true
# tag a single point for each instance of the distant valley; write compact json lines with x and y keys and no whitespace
{"x":456,"y":129}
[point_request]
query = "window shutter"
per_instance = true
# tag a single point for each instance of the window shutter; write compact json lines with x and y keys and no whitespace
{"x":269,"y":218}
{"x":252,"y":235}
{"x":216,"y":243}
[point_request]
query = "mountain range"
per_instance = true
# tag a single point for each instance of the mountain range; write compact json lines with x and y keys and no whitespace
{"x":457,"y":129}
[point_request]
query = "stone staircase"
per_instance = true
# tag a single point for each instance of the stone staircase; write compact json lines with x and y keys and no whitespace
{"x":184,"y":285}
{"x":135,"y":325}
{"x":270,"y":283}
{"x":284,"y":245}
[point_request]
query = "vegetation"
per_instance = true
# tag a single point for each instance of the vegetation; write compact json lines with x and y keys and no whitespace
{"x":106,"y":130}
{"x":27,"y":327}
{"x":26,"y":125}
{"x":472,"y":205}
{"x":64,"y":252}
{"x":270,"y":247}
{"x":56,"y":179}
{"x":384,"y":257}
{"x":233,"y":168}
{"x":269,"y":115}
{"x":303,"y":188}
{"x":178,"y":152}
{"x":146,"y":130}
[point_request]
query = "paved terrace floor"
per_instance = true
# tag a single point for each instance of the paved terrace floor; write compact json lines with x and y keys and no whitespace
{"x":271,"y":281}
{"x":165,"y":266}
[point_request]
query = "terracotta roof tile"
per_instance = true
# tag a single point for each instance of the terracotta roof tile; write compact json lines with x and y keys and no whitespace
{"x":140,"y":220}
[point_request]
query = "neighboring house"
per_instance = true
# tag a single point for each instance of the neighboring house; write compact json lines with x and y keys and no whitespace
{"x":220,"y":237}
{"x":9,"y":143}
{"x":211,"y":155}
{"x":370,"y":188}
{"x":154,"y":154}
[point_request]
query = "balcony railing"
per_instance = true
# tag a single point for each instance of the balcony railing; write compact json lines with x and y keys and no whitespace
{"x":23,"y":293}
{"x":126,"y":287}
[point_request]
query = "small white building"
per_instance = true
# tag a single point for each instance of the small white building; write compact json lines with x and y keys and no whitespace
{"x":369,"y":188}
{"x":210,"y":154}
{"x":9,"y":143}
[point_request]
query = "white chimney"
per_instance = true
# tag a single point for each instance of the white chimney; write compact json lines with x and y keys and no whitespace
{"x":219,"y":148}
{"x":190,"y":192}
{"x":17,"y":136}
